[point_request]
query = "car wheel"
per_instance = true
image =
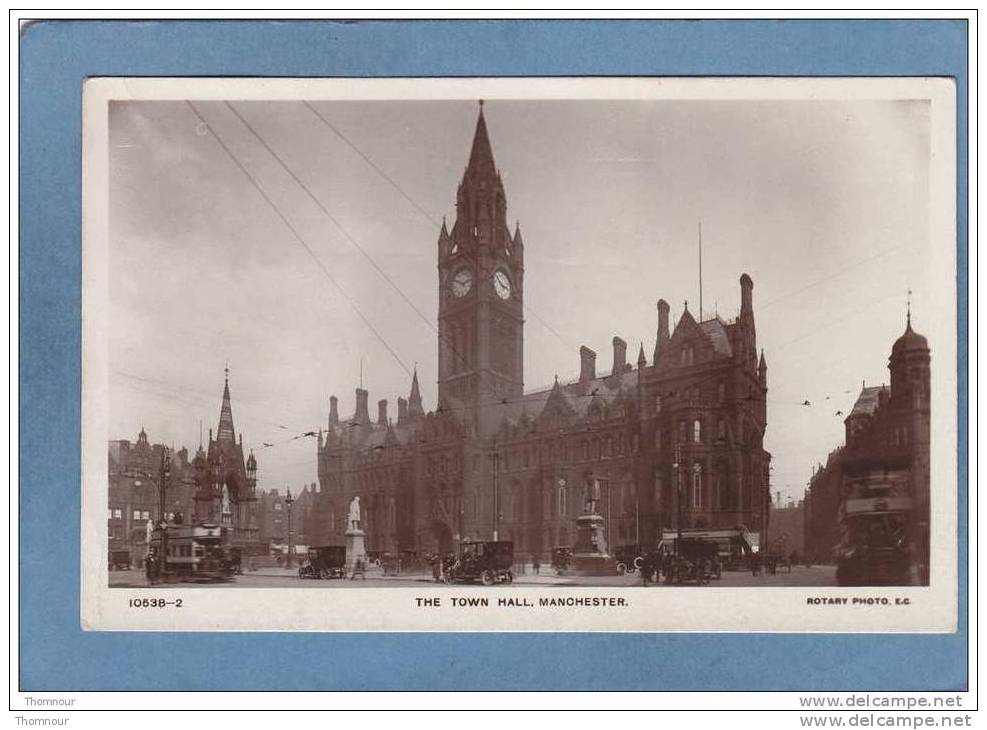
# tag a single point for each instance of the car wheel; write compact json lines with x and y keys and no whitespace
{"x":487,"y":578}
{"x":621,"y":568}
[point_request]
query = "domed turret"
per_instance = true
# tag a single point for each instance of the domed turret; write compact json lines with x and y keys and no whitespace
{"x":910,"y":341}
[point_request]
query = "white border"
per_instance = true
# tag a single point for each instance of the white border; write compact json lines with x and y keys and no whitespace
{"x":761,"y":609}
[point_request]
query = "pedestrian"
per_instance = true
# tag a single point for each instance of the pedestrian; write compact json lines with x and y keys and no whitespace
{"x":536,"y":565}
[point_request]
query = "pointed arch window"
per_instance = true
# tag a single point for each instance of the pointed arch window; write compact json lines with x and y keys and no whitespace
{"x":697,"y":431}
{"x":697,"y":487}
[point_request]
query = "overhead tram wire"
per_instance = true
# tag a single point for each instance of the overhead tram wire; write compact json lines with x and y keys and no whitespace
{"x":298,"y":237}
{"x":335,"y":221}
{"x":393,"y":183}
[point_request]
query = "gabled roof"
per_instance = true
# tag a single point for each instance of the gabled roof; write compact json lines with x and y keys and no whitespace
{"x":716,"y":331}
{"x":867,"y":401}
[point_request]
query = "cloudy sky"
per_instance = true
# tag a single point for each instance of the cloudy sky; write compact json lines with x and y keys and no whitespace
{"x":823,"y":203}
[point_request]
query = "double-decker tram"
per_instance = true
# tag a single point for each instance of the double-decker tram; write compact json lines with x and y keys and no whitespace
{"x":198,"y":553}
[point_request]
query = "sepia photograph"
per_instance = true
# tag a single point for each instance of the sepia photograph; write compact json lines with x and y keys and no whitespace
{"x":520,"y":354}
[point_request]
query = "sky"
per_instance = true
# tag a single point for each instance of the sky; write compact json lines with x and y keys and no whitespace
{"x":825,"y":204}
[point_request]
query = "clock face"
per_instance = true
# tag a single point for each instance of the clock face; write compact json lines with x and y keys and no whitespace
{"x":502,"y":285}
{"x":462,"y":282}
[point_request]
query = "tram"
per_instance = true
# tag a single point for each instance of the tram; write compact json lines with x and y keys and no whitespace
{"x":197,"y":553}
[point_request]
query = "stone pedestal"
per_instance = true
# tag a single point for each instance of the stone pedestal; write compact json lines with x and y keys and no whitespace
{"x":590,"y":556}
{"x":355,"y":548}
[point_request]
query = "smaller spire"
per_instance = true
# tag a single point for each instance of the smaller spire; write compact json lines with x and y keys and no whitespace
{"x":908,"y":316}
{"x":641,"y":359}
{"x":415,"y":397}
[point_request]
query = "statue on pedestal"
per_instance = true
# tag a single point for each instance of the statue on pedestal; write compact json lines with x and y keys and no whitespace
{"x":355,"y":514}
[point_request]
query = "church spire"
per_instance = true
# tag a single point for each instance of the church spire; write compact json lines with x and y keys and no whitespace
{"x":415,"y":397}
{"x":226,"y":431}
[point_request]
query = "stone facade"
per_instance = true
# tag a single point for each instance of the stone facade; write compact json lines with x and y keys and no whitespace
{"x":674,"y":438}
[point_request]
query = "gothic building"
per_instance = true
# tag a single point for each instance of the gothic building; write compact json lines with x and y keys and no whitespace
{"x":674,"y":438}
{"x":226,"y":483}
{"x":886,"y":443}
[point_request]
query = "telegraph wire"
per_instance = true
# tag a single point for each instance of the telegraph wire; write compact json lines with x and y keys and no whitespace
{"x":315,"y":199}
{"x":428,"y":216}
{"x":298,"y":237}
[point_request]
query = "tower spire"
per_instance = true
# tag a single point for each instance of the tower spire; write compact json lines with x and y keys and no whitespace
{"x":226,"y":432}
{"x":481,"y":154}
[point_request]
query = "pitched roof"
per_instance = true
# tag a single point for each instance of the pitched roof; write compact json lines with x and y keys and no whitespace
{"x":867,"y":401}
{"x":716,"y":331}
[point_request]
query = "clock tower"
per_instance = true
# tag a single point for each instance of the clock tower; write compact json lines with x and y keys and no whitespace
{"x":481,"y":289}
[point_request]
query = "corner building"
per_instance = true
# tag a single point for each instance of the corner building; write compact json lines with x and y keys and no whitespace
{"x":671,"y":439}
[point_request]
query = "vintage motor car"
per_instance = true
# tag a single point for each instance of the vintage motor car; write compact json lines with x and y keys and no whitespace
{"x":561,"y":559}
{"x":487,"y":562}
{"x":629,"y":558}
{"x":119,"y":560}
{"x":324,"y":561}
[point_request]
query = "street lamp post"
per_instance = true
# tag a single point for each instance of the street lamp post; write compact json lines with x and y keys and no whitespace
{"x":164,"y":473}
{"x":677,"y":466}
{"x":495,"y":458}
{"x":289,"y":500}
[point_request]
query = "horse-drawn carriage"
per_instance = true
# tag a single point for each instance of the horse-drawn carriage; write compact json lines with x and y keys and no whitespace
{"x":326,"y":561}
{"x":487,"y":562}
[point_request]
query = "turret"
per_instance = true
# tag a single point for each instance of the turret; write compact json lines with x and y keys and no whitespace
{"x":382,"y":412}
{"x":910,"y":372}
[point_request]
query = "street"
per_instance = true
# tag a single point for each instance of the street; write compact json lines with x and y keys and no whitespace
{"x":820,"y":575}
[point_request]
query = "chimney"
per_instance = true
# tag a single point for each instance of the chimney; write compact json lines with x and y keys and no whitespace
{"x":362,"y":415}
{"x":746,"y":298}
{"x":333,"y":410}
{"x":382,"y":412}
{"x":619,"y":357}
{"x":587,"y":364}
{"x":663,"y":335}
{"x":402,"y":410}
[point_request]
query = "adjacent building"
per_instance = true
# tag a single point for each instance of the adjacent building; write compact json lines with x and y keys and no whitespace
{"x":674,"y":437}
{"x":217,"y":485}
{"x":136,"y":472}
{"x":887,"y":445}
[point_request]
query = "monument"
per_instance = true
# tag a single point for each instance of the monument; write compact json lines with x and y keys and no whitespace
{"x":355,"y":548}
{"x":590,"y":556}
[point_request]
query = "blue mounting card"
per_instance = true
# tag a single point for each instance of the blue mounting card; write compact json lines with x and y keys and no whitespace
{"x":57,"y":654}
